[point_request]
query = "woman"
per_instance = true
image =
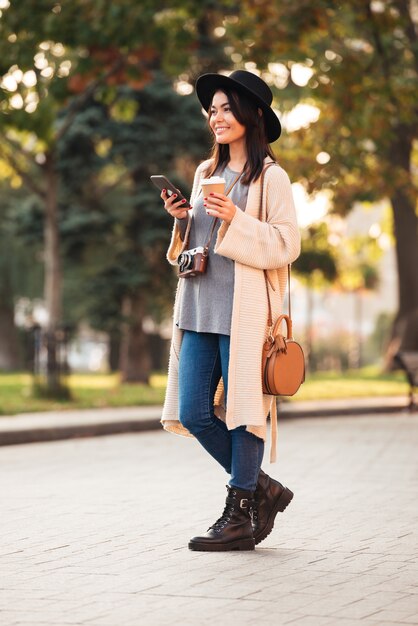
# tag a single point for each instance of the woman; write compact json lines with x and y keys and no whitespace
{"x":214,"y":390}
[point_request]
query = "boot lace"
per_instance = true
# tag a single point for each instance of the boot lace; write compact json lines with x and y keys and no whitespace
{"x":254,"y":510}
{"x":225,"y":517}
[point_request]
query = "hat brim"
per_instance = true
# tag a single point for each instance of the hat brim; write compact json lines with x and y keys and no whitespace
{"x":208,"y":84}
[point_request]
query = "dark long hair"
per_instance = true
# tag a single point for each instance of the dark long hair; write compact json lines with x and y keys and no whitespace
{"x":247,"y":113}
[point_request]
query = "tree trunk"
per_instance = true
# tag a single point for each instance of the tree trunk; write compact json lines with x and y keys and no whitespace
{"x":358,"y":314}
{"x":114,"y":350}
{"x":310,"y":301}
{"x":53,"y":279}
{"x":9,"y":343}
{"x":135,"y":362}
{"x":10,"y":358}
{"x":403,"y":201}
{"x":406,"y":233}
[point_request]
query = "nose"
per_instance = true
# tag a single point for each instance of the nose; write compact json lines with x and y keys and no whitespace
{"x":217,"y":115}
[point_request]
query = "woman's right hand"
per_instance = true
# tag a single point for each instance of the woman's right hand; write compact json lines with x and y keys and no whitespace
{"x":173,"y":206}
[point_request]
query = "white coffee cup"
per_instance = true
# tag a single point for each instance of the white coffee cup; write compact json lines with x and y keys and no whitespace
{"x":215,"y":184}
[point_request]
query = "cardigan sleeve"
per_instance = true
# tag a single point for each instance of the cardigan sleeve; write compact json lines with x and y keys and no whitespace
{"x":264,"y":245}
{"x":182,"y":225}
{"x":180,"y":233}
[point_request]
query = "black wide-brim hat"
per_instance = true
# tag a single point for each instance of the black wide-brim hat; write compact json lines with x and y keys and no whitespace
{"x":248,"y":84}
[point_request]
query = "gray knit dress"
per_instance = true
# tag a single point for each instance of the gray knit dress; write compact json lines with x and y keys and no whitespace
{"x":206,"y":303}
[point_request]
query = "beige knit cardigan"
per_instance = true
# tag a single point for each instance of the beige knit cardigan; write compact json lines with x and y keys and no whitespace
{"x":254,"y":245}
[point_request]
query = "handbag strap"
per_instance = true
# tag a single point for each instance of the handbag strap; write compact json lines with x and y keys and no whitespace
{"x":215,"y":219}
{"x":260,"y":215}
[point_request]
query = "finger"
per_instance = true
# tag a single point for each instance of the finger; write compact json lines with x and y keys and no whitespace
{"x":175,"y":211}
{"x":169,"y":194}
{"x":215,"y":202}
{"x":179,"y":213}
{"x":214,"y":207}
{"x":179,"y":203}
{"x":214,"y":211}
{"x":172,"y":202}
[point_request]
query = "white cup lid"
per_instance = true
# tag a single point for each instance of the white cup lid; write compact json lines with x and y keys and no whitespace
{"x":213,"y":180}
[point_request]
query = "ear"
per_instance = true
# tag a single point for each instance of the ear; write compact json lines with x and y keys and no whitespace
{"x":260,"y":112}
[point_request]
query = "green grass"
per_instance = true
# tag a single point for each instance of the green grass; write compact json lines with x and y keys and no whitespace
{"x":105,"y":390}
{"x":87,"y":391}
{"x":367,"y":382}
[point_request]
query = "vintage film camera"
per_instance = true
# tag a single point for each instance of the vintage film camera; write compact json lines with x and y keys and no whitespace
{"x":193,"y":262}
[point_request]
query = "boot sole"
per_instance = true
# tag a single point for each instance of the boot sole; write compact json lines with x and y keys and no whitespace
{"x":281,"y":504}
{"x":242,"y":544}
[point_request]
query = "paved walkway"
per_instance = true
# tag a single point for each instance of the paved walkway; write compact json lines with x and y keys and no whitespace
{"x":94,"y":531}
{"x":56,"y":425}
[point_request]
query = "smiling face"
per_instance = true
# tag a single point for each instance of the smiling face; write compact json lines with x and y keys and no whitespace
{"x":224,"y":125}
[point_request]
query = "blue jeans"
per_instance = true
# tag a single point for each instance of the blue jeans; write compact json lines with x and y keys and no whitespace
{"x":204,"y":358}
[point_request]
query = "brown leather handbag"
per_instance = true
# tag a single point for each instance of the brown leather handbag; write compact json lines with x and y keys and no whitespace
{"x":283,"y":361}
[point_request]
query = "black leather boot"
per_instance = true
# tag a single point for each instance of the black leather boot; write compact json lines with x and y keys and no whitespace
{"x":270,"y":497}
{"x":233,"y":530}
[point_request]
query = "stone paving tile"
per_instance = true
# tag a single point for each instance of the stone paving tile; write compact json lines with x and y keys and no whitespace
{"x":364,"y":607}
{"x":309,"y":620}
{"x":94,"y":532}
{"x":395,"y":617}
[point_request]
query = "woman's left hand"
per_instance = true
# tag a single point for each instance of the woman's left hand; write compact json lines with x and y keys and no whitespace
{"x":218,"y":205}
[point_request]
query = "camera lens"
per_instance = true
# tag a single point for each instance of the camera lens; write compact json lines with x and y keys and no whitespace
{"x":185,"y":261}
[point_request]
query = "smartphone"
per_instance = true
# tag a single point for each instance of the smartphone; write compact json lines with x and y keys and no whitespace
{"x":163,"y":183}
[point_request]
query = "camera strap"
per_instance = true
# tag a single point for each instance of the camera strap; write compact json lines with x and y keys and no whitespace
{"x":216,"y":219}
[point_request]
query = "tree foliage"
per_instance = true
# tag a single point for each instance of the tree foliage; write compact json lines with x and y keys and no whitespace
{"x":115,"y":236}
{"x":357,"y":64}
{"x":91,"y":106}
{"x":80,"y":130}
